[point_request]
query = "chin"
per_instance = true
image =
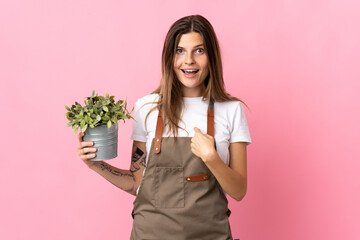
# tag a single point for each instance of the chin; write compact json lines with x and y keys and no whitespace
{"x":190,"y":85}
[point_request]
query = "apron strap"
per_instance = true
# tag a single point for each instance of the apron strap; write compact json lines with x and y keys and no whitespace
{"x":210,"y":118}
{"x":160,"y":126}
{"x":158,"y":132}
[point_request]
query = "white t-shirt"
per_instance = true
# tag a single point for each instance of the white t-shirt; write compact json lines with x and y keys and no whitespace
{"x":230,"y":123}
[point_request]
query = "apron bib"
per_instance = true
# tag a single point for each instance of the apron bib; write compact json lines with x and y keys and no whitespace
{"x":179,"y":198}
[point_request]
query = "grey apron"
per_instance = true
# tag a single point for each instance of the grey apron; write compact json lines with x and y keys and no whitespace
{"x":179,"y":198}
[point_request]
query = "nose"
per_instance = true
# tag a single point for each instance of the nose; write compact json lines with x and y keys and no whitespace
{"x":189,"y":59}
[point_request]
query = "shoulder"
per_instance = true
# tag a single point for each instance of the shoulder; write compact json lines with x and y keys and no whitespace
{"x":144,"y":105}
{"x":228,"y":106}
{"x":147,"y":99}
{"x":146,"y":102}
{"x":232,"y":112}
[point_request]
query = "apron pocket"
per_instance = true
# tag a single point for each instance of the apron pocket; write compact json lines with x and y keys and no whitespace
{"x":169,"y":187}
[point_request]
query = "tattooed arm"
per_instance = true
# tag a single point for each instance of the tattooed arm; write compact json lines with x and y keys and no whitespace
{"x":127,"y":180}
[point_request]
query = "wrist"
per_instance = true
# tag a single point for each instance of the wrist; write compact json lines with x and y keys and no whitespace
{"x":93,"y":165}
{"x":211,"y":157}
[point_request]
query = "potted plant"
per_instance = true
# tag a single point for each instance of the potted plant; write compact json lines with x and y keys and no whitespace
{"x":98,"y":119}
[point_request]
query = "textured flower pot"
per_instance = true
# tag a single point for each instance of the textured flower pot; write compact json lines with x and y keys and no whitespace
{"x":105,"y":140}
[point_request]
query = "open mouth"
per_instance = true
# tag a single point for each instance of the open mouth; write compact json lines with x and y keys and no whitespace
{"x":190,"y":71}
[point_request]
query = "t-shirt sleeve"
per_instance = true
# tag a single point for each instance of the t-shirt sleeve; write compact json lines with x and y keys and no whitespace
{"x":239,"y":127}
{"x":138,"y":126}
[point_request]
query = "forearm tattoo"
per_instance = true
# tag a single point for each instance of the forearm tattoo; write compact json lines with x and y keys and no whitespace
{"x":129,"y":189}
{"x":138,"y":160}
{"x":104,"y":166}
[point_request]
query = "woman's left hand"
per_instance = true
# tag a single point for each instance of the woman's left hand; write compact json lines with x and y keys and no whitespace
{"x":202,"y":145}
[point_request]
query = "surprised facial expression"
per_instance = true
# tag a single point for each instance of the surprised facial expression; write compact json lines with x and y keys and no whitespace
{"x":191,"y":64}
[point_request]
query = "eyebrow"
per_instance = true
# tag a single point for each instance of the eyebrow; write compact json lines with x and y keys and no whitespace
{"x":194,"y":46}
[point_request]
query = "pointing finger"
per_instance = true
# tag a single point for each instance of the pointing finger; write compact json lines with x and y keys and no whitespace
{"x":197,"y":130}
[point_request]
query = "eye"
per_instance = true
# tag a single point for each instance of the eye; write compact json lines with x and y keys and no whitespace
{"x":200,"y":50}
{"x":179,"y":51}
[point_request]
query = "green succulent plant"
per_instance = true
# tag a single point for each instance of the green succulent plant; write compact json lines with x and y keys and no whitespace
{"x":98,"y":110}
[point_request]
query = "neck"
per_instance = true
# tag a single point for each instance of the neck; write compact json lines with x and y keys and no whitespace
{"x":191,"y":92}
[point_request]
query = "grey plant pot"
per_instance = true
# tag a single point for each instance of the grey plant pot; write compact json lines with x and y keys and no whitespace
{"x":105,"y":140}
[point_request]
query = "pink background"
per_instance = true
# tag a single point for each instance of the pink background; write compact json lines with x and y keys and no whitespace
{"x":295,"y":63}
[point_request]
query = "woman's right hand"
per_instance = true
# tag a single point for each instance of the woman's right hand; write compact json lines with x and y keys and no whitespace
{"x":84,"y":148}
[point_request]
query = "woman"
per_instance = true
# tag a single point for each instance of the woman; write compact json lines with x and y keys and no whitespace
{"x":190,"y":137}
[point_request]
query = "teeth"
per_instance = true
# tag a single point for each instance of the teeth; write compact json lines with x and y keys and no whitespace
{"x":190,"y":71}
